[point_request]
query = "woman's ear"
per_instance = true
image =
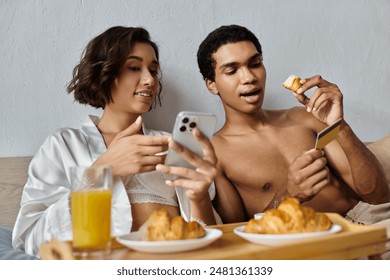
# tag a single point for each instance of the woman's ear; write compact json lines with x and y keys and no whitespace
{"x":211,"y":86}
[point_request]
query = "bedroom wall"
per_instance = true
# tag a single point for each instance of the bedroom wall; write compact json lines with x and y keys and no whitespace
{"x":347,"y":42}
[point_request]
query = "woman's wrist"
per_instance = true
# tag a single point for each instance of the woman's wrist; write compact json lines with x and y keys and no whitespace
{"x":199,"y":221}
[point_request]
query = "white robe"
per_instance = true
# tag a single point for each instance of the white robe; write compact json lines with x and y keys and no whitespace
{"x":45,"y":209}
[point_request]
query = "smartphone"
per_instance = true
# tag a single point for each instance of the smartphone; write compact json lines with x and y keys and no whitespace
{"x":182,"y":133}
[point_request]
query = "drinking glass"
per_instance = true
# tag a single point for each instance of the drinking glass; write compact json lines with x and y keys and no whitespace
{"x":91,"y":210}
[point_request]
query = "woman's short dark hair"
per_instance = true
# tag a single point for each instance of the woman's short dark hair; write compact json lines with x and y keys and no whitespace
{"x":101,"y":63}
{"x":223,"y":35}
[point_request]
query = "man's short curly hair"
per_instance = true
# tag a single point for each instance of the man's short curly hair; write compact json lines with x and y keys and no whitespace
{"x":101,"y":63}
{"x":221,"y":36}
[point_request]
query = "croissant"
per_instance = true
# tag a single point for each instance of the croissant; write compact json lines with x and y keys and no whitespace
{"x":160,"y":227}
{"x":292,"y":83}
{"x":289,"y":217}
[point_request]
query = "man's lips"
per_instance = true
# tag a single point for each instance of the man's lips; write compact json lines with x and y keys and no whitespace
{"x":250,"y":93}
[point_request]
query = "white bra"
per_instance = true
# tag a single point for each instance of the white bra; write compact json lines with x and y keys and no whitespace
{"x":149,"y":188}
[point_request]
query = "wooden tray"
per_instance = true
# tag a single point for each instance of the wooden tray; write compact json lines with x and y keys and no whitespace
{"x":354,"y":241}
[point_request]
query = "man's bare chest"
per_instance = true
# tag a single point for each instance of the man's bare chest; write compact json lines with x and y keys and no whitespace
{"x":260,"y":159}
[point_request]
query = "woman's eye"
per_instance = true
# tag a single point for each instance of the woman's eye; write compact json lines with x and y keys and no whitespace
{"x":135,"y":69}
{"x":154,"y":72}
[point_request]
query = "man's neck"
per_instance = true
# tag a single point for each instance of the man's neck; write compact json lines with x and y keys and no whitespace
{"x":240,"y":122}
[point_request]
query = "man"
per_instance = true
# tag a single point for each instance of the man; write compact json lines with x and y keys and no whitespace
{"x":265,"y":155}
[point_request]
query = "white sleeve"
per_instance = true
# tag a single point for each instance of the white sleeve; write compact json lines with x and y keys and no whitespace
{"x":184,"y":203}
{"x":212,"y":194}
{"x":44,"y":208}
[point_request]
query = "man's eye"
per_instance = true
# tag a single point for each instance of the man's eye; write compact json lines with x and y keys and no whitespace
{"x":255,"y":65}
{"x":231,"y":72}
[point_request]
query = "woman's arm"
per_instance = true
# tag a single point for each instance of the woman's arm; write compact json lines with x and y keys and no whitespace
{"x":196,"y":182}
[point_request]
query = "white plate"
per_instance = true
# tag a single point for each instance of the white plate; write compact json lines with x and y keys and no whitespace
{"x":131,"y":241}
{"x":279,"y":239}
{"x":258,"y":216}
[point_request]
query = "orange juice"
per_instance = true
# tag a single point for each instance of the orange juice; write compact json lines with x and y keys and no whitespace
{"x":91,"y":219}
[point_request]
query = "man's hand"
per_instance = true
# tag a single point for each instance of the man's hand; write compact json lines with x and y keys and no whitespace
{"x":307,"y":175}
{"x":326,"y":103}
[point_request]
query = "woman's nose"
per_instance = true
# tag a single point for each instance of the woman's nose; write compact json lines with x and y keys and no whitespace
{"x":147,"y":78}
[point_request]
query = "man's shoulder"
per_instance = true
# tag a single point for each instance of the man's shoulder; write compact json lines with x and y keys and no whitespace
{"x":300,"y":115}
{"x":297,"y":112}
{"x":221,"y":142}
{"x":218,"y":138}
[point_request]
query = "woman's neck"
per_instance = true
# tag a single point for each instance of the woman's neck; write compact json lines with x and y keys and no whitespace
{"x":112,"y":124}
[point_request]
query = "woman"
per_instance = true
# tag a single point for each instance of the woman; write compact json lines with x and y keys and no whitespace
{"x":119,"y":72}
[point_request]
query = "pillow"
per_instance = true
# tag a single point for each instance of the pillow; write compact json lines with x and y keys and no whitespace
{"x":7,"y":252}
{"x":381,"y":149}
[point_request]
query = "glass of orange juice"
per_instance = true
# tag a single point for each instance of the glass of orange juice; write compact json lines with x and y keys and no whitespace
{"x":91,"y":210}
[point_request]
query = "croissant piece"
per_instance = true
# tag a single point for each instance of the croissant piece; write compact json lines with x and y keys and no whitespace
{"x":289,"y":217}
{"x":155,"y":227}
{"x":161,"y":227}
{"x":292,"y":83}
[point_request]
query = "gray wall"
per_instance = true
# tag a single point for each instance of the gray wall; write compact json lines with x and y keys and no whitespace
{"x":347,"y":42}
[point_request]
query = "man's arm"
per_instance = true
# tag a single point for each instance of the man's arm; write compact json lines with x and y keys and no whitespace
{"x":227,"y":201}
{"x":357,"y":166}
{"x":349,"y":157}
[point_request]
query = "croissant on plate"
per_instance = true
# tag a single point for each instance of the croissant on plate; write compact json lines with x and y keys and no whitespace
{"x":289,"y":217}
{"x":161,"y":227}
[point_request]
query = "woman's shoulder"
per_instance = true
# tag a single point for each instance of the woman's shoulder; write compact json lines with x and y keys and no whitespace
{"x":56,"y":137}
{"x":62,"y":139}
{"x":87,"y":129}
{"x":65,"y":134}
